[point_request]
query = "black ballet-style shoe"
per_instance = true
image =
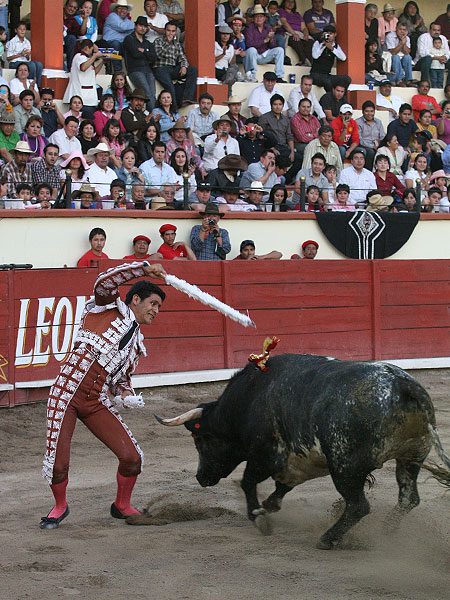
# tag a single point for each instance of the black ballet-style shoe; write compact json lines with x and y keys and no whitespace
{"x":52,"y":522}
{"x":116,"y":513}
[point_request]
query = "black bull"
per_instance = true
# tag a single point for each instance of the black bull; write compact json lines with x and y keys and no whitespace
{"x":310,"y":416}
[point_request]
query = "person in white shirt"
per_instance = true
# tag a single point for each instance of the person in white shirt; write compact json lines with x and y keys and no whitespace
{"x":359,"y":180}
{"x":156,"y":21}
{"x":18,"y":50}
{"x":259,"y":99}
{"x":387,"y":101}
{"x":86,"y":64}
{"x":220,"y":144}
{"x":399,"y":45}
{"x":423,"y":59}
{"x":100,"y":175}
{"x":156,"y":171}
{"x":304,"y":90}
{"x":66,"y":138}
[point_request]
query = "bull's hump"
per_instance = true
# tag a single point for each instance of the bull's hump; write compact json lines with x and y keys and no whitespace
{"x":309,"y":463}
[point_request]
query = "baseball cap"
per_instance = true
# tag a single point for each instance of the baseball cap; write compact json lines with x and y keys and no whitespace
{"x":346,"y":108}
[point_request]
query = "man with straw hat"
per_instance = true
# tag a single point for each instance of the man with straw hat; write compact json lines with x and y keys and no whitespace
{"x":387,"y":22}
{"x":234,"y":104}
{"x":117,"y":26}
{"x":220,"y":143}
{"x":179,"y":139}
{"x":19,"y":169}
{"x":8,"y":135}
{"x":261,"y":47}
{"x":100,"y":175}
{"x":87,"y":197}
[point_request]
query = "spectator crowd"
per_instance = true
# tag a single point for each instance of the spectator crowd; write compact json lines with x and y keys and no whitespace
{"x":124,"y":147}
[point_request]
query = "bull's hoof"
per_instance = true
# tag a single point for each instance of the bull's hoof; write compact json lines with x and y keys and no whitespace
{"x":262,"y":521}
{"x":324,"y":544}
{"x":272,"y":505}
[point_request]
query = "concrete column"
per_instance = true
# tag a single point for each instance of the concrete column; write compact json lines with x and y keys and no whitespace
{"x":199,"y":45}
{"x":351,"y":37}
{"x":47,"y":42}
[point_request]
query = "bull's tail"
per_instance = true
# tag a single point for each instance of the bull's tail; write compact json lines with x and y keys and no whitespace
{"x":439,"y":473}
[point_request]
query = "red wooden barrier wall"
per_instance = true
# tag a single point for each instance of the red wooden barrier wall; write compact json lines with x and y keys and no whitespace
{"x":348,"y":309}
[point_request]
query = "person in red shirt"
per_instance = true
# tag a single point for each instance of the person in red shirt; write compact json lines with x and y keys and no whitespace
{"x":346,"y":132}
{"x":97,"y":239}
{"x":309,"y":249}
{"x":423,"y":100}
{"x":140,"y":247}
{"x":171,"y":250}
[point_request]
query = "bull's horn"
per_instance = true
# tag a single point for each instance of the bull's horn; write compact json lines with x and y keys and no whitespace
{"x":190,"y":415}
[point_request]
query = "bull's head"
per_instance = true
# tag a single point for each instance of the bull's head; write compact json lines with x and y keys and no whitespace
{"x":218,"y":455}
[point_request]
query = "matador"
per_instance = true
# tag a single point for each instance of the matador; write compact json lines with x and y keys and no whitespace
{"x":95,"y":380}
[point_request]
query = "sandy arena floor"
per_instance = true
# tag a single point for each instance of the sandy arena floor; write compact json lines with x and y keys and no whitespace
{"x":213,"y":551}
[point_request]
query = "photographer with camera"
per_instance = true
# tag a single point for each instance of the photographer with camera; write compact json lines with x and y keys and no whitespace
{"x":208,"y":240}
{"x":51,"y":115}
{"x":324,"y":52}
{"x":220,"y":143}
{"x":253,"y":140}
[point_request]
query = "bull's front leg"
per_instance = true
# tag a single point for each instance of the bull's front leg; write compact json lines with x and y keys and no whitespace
{"x":255,"y":511}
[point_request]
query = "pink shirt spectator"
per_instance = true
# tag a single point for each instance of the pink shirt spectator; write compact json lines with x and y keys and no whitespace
{"x":385,"y":27}
{"x":446,"y":135}
{"x":100,"y":120}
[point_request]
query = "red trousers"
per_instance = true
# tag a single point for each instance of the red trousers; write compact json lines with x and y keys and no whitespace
{"x":104,"y":423}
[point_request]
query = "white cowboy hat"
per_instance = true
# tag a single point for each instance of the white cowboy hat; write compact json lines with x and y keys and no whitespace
{"x":122,"y":3}
{"x":256,"y":186}
{"x":102,"y":147}
{"x":23,"y":147}
{"x":234,"y":100}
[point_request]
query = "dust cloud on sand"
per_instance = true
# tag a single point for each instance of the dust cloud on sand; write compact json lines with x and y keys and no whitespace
{"x":201,"y":544}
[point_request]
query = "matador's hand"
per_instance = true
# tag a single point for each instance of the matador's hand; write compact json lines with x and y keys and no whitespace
{"x":156,"y":271}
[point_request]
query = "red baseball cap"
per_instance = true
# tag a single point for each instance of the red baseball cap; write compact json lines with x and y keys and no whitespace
{"x":142,"y":237}
{"x":310,"y":242}
{"x":167,"y":227}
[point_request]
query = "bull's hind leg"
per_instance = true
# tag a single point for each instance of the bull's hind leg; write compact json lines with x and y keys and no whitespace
{"x":356,"y":507}
{"x":273,"y":502}
{"x":406,"y":473}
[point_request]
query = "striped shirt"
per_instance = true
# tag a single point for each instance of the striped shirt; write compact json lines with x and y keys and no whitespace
{"x":42,"y":174}
{"x":14,"y":176}
{"x":169,"y":54}
{"x":304,"y":130}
